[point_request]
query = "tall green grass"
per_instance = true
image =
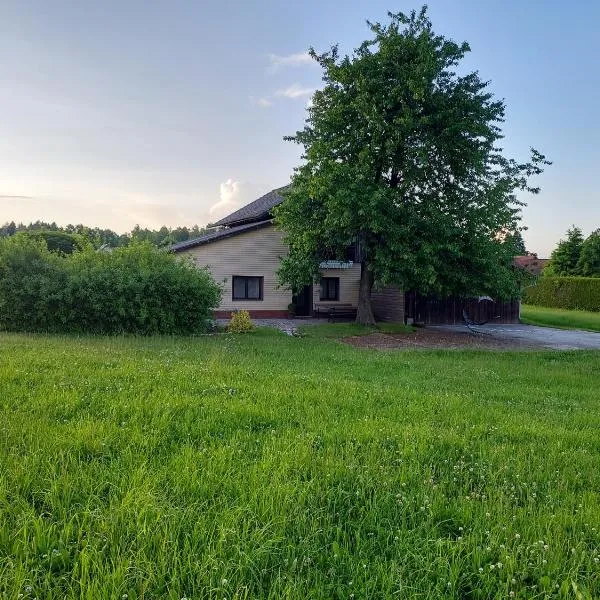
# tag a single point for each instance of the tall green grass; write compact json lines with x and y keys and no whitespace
{"x":264,"y":466}
{"x":558,"y":317}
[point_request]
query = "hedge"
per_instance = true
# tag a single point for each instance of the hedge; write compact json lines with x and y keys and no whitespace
{"x":136,"y":289}
{"x":575,"y":293}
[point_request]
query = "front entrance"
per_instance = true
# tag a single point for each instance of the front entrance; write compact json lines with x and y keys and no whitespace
{"x":303,"y":301}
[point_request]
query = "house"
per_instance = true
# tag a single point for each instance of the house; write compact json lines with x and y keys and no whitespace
{"x":243,"y":252}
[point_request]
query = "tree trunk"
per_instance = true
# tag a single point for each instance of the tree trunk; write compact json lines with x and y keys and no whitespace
{"x":364,"y":315}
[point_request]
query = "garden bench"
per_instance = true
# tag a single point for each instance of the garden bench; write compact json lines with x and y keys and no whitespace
{"x":332,"y":311}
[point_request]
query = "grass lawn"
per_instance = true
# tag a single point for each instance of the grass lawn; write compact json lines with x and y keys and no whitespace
{"x":556,"y":317}
{"x":265,"y":466}
{"x":337,"y":330}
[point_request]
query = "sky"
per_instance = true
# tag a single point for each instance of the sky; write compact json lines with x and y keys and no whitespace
{"x":117,"y":113}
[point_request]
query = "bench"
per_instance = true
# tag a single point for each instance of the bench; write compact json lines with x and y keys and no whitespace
{"x":332,"y":311}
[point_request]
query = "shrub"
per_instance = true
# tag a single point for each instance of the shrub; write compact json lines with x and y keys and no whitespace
{"x":575,"y":293}
{"x":240,"y":322}
{"x":32,"y":284}
{"x":137,"y":289}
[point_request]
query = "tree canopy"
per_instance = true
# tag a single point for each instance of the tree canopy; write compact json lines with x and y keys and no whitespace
{"x":588,"y":264}
{"x":565,"y":257}
{"x":401,"y":156}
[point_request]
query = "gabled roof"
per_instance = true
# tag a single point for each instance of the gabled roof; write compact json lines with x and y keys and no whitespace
{"x":220,"y":234}
{"x":259,"y":210}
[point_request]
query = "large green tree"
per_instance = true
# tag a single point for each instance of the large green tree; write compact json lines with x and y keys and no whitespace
{"x":401,"y":155}
{"x":565,"y":257}
{"x":588,"y":263}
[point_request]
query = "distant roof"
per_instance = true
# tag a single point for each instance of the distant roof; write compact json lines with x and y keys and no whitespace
{"x":531,"y":263}
{"x":255,"y":211}
{"x":213,"y":236}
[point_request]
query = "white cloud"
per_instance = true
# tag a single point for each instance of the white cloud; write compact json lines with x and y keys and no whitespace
{"x":291,"y":60}
{"x":263,"y":102}
{"x":234,"y":195}
{"x":295,"y":91}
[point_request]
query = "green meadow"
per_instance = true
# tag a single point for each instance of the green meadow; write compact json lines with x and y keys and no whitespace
{"x":559,"y":317}
{"x":265,"y":466}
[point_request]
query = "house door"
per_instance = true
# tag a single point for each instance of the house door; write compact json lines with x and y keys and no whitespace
{"x":303,"y":301}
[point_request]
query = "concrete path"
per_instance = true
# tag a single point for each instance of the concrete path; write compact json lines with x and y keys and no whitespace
{"x":546,"y":337}
{"x":288,"y":326}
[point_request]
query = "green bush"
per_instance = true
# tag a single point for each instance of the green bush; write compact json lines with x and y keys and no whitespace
{"x":575,"y":293}
{"x":137,"y":289}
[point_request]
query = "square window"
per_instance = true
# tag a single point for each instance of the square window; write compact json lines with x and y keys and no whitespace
{"x":330,"y":288}
{"x":247,"y":288}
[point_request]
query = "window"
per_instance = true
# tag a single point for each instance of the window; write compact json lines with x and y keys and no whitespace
{"x":330,"y":288}
{"x":247,"y":288}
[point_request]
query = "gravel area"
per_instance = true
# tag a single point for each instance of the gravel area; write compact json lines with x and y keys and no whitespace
{"x":544,"y":337}
{"x":288,"y":326}
{"x":499,"y":337}
{"x":435,"y":338}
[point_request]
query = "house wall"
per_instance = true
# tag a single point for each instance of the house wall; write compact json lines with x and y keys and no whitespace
{"x":254,"y":253}
{"x":257,"y":253}
{"x":388,"y":304}
{"x":349,"y":285}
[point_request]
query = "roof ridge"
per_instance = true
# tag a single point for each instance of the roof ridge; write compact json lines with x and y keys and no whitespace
{"x":254,"y":210}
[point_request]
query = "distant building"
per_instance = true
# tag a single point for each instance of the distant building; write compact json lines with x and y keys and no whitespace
{"x":531,"y":263}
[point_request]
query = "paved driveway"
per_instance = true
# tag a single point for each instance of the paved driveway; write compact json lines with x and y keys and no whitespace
{"x":545,"y":337}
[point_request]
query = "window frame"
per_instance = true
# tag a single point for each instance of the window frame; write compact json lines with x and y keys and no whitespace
{"x":246,"y":278}
{"x":337,"y":289}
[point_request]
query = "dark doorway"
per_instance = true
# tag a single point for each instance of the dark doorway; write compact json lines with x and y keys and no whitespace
{"x":303,"y":301}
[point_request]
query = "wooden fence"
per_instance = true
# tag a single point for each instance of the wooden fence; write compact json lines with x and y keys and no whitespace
{"x":449,"y":311}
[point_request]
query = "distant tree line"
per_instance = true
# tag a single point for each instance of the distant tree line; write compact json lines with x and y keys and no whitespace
{"x":576,"y":255}
{"x":66,"y":239}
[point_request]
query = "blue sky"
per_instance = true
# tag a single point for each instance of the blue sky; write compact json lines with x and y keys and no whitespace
{"x":114,"y":113}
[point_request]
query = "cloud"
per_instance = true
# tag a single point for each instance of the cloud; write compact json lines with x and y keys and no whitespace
{"x":295,"y":91}
{"x":264,"y":102}
{"x":291,"y":60}
{"x":8,"y":197}
{"x":234,"y":195}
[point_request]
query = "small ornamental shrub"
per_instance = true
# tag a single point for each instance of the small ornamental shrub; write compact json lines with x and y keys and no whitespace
{"x":240,"y":322}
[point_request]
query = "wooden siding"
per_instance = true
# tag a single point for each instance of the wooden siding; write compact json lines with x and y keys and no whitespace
{"x":448,"y":311}
{"x":349,"y":284}
{"x":254,"y":254}
{"x":388,"y":304}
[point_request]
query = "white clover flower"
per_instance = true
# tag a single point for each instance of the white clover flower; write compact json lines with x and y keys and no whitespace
{"x":481,"y":569}
{"x":517,"y":536}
